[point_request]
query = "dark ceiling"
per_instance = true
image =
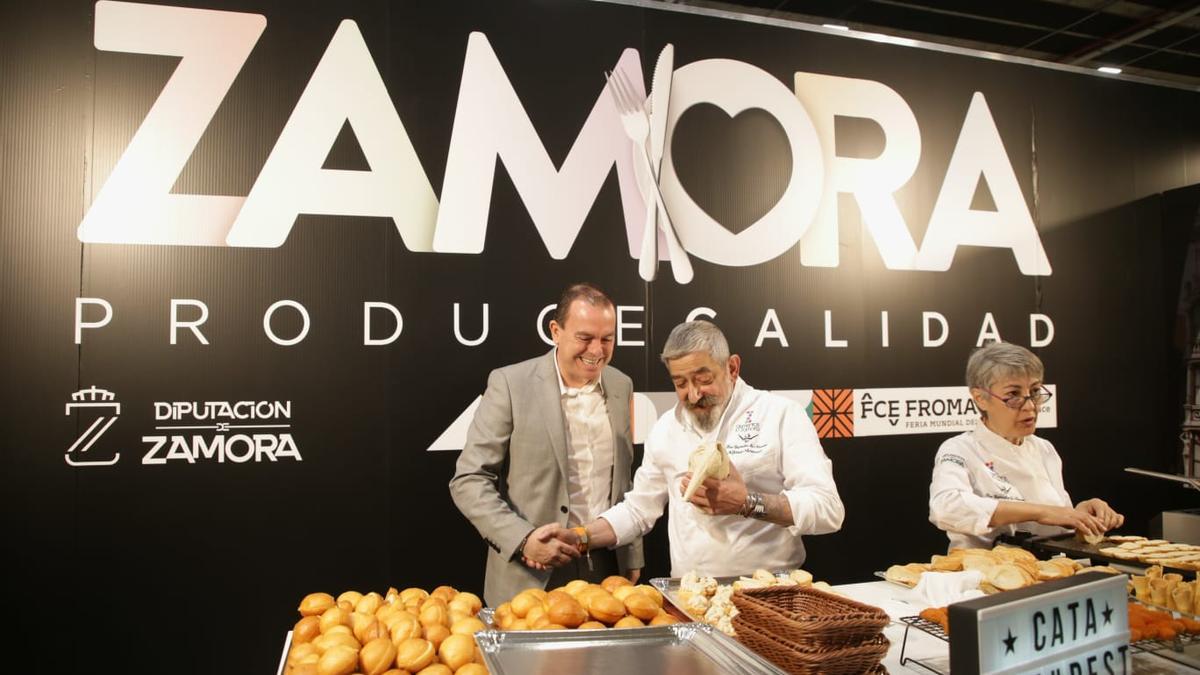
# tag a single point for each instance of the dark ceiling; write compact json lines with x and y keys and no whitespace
{"x":1155,"y":39}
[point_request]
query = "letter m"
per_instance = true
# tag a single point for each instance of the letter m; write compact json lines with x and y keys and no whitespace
{"x":491,"y":123}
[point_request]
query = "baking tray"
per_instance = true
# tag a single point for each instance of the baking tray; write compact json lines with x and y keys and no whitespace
{"x":693,"y":648}
{"x":1068,"y":545}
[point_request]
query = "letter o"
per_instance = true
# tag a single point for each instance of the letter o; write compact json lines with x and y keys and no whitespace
{"x":267,"y":322}
{"x":734,"y":86}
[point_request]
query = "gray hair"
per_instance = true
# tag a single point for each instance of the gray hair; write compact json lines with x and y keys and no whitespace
{"x":1001,"y":359}
{"x":696,"y":336}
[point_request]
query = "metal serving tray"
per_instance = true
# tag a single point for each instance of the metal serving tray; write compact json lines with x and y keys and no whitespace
{"x":669,"y":587}
{"x":696,"y":649}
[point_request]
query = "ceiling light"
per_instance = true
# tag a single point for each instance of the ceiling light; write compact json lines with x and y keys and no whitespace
{"x":836,"y":26}
{"x":1110,"y":70}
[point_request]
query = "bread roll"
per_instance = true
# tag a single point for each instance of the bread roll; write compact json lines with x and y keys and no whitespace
{"x":405,"y":626}
{"x":629,"y":622}
{"x":663,"y":619}
{"x":467,"y":626}
{"x":556,"y":595}
{"x":446,"y":593}
{"x":411,"y":595}
{"x":306,"y":629}
{"x":369,"y":603}
{"x":301,"y":651}
{"x":328,"y":641}
{"x":622,"y":592}
{"x":333,"y":617}
{"x":567,"y":612}
{"x":503,"y":615}
{"x":605,"y":608}
{"x":471,"y":600}
{"x":315,"y":604}
{"x":457,"y":651}
{"x":611,"y":583}
{"x":641,"y":606}
{"x":341,"y":660}
{"x":575,"y":587}
{"x":536,"y":612}
{"x":414,"y":654}
{"x":351,"y":597}
{"x":656,"y":596}
{"x":377,"y":656}
{"x":523,"y":602}
{"x":434,"y":615}
{"x":436,"y":633}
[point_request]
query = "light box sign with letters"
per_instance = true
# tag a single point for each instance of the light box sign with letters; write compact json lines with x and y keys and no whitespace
{"x":1073,"y":626}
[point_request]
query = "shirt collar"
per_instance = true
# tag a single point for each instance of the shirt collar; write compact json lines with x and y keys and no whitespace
{"x":564,"y":390}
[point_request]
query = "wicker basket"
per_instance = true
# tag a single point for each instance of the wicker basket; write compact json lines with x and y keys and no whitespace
{"x":862,"y":659}
{"x":809,"y":618}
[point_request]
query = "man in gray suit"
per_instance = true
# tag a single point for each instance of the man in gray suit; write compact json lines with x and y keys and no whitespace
{"x":550,"y":443}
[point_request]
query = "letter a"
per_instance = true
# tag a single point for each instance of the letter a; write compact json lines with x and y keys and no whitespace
{"x":346,"y":86}
{"x":980,"y":152}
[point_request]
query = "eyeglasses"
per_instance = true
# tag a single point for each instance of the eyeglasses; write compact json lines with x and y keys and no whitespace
{"x":1039,"y":396}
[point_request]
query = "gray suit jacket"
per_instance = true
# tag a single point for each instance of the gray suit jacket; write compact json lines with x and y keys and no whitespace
{"x":512,"y":475}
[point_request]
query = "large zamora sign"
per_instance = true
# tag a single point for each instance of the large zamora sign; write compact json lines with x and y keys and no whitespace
{"x":491,"y":123}
{"x":260,"y":258}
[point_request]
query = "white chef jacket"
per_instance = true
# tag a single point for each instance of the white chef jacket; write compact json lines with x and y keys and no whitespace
{"x":973,"y":471}
{"x":775,"y":448}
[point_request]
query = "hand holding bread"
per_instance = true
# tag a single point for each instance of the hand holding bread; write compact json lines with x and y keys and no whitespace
{"x":722,"y":497}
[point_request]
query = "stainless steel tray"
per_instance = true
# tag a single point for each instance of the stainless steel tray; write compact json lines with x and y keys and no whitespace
{"x":692,"y":648}
{"x":669,"y":587}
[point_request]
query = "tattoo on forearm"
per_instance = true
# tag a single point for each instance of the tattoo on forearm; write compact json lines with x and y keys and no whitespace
{"x":779,"y":510}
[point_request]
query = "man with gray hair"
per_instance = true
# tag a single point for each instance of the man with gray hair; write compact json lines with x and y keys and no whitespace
{"x":780,"y":483}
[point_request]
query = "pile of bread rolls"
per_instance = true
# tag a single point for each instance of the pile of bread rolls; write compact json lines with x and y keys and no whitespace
{"x":709,"y":601}
{"x":615,"y":602}
{"x":1004,"y":568}
{"x":401,"y":632}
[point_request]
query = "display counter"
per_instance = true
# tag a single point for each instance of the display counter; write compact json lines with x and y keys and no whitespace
{"x":919,"y":647}
{"x":383,"y":630}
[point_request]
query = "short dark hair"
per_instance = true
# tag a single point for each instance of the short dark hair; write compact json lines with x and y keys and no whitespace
{"x":584,"y":290}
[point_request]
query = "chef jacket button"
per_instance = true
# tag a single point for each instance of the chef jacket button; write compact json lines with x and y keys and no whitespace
{"x":563,"y":509}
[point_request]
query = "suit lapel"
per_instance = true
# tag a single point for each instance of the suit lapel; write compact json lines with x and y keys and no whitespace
{"x":550,"y":404}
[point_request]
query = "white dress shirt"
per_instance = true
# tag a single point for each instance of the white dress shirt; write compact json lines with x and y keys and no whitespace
{"x":775,"y":448}
{"x":589,"y":449}
{"x":973,"y":471}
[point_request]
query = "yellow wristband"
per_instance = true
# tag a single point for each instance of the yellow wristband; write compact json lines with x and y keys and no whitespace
{"x":583,"y":538}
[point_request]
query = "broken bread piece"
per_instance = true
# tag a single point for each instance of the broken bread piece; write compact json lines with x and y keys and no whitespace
{"x":706,"y":461}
